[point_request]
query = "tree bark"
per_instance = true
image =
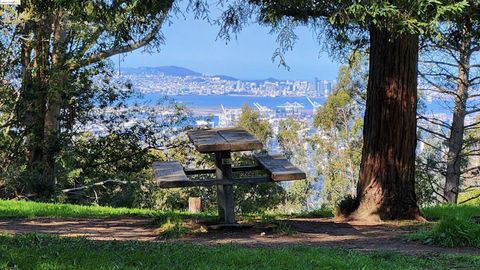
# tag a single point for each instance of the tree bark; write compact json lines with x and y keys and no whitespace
{"x":33,"y":97}
{"x":455,"y":140}
{"x":57,"y":82}
{"x":386,"y":189}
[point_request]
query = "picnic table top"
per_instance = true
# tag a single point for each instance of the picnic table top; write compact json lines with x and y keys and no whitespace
{"x":223,"y":139}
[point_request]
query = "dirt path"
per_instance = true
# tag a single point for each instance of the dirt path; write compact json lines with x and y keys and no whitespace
{"x":313,"y":232}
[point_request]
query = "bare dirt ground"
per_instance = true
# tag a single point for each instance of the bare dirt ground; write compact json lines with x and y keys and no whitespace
{"x":321,"y":232}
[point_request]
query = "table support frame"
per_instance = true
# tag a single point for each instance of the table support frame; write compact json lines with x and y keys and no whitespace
{"x":223,"y":171}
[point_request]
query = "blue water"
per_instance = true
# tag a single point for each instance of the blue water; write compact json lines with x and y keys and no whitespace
{"x":215,"y":101}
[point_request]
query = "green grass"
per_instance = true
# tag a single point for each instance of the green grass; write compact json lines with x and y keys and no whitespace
{"x":34,"y":251}
{"x":454,"y":226}
{"x":450,"y":231}
{"x":317,"y":213}
{"x":442,"y":211}
{"x":470,"y":194}
{"x":29,"y":209}
{"x":45,"y":252}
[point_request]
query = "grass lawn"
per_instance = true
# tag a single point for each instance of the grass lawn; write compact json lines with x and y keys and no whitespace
{"x":453,"y":226}
{"x":45,"y":252}
{"x":442,"y":211}
{"x":33,"y":251}
{"x":28,"y":209}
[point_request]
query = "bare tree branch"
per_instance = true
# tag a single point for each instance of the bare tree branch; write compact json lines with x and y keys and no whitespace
{"x":434,"y":133}
{"x":102,"y":183}
{"x":99,"y":56}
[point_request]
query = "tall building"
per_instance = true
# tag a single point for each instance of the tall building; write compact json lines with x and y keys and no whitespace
{"x":327,"y":88}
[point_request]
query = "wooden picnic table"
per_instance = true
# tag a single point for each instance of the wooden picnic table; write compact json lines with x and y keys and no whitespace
{"x":222,"y":142}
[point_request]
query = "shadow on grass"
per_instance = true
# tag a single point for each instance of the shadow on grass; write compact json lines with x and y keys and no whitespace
{"x":35,"y":251}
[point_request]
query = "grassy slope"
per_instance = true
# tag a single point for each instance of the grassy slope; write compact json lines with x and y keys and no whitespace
{"x":43,"y":252}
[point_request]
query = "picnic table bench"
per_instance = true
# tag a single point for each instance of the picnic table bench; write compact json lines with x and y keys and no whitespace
{"x":221,"y":142}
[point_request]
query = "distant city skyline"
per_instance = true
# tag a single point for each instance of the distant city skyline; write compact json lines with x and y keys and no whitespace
{"x":193,"y":44}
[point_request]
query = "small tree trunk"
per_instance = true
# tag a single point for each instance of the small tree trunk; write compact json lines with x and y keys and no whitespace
{"x":455,"y":141}
{"x":386,"y":184}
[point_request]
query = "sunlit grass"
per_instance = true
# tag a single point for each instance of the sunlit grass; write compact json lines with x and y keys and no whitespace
{"x":29,"y":209}
{"x":453,"y":226}
{"x":439,"y":211}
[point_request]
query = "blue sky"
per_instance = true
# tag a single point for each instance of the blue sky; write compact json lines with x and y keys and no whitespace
{"x":193,"y":44}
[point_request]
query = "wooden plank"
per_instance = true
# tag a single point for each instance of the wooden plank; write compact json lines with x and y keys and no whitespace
{"x":199,"y":171}
{"x":225,"y":203}
{"x":170,"y":174}
{"x":215,"y":182}
{"x":240,"y":139}
{"x":208,"y":141}
{"x":212,"y":171}
{"x":279,"y":168}
{"x":225,"y":139}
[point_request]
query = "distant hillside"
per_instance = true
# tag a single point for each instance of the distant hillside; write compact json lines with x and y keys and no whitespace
{"x":182,"y":72}
{"x":167,"y":70}
{"x":226,"y":78}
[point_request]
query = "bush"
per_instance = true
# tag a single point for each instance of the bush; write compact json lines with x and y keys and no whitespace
{"x":346,"y":206}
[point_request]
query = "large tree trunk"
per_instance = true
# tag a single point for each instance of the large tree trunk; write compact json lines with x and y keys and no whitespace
{"x":57,"y":83}
{"x":386,"y":184}
{"x":33,"y":101}
{"x":455,"y":141}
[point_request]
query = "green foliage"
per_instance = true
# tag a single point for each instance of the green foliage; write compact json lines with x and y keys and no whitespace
{"x":317,"y":213}
{"x":291,"y":139}
{"x":44,"y":252}
{"x":428,"y":178}
{"x":250,"y":121}
{"x":339,"y":141}
{"x":339,"y":25}
{"x":56,"y":80}
{"x":258,"y":198}
{"x":451,"y":231}
{"x":299,"y":194}
{"x":346,"y":206}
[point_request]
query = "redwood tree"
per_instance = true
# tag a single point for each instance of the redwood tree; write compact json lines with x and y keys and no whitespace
{"x":387,"y":171}
{"x":386,"y":183}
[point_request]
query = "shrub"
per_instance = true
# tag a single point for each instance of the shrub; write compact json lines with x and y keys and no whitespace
{"x":346,"y":206}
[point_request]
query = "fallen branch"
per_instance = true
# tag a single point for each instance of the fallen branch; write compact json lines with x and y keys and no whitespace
{"x":98,"y":184}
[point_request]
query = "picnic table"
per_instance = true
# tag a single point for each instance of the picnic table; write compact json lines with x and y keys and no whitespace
{"x":222,"y":142}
